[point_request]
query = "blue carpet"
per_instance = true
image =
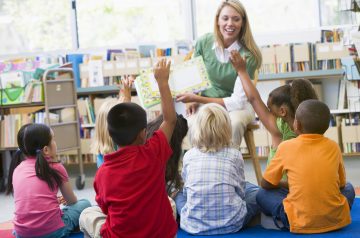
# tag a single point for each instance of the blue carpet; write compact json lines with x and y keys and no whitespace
{"x":353,"y":230}
{"x":76,"y":235}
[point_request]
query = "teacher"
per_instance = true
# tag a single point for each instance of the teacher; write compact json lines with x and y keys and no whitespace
{"x":231,"y":32}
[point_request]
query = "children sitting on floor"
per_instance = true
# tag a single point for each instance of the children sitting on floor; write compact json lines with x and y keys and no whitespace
{"x":215,"y":198}
{"x":130,"y":185}
{"x":172,"y":176}
{"x":35,"y":177}
{"x":319,"y":199}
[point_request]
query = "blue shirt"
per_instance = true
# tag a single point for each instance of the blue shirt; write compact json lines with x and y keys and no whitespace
{"x":99,"y":160}
{"x":214,"y":187}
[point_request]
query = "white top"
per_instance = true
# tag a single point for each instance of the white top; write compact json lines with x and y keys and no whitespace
{"x":238,"y":99}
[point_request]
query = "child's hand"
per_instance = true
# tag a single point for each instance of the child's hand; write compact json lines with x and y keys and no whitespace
{"x":61,"y":200}
{"x":237,"y":61}
{"x":162,"y":71}
{"x":191,"y":108}
{"x":186,"y":97}
{"x":125,"y":91}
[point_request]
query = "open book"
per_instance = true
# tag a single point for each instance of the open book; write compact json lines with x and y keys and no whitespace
{"x":189,"y":76}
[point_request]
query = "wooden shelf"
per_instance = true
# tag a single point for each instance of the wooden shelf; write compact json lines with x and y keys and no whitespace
{"x":62,"y":106}
{"x":109,"y":89}
{"x":8,"y":148}
{"x":343,"y":111}
{"x":33,"y":104}
{"x":313,"y":74}
{"x":87,"y":125}
{"x":63,"y":123}
{"x":355,"y":154}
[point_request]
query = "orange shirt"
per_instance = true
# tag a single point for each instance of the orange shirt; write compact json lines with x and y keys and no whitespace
{"x":316,"y":172}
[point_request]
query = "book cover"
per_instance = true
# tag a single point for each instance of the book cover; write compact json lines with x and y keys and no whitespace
{"x":189,"y":76}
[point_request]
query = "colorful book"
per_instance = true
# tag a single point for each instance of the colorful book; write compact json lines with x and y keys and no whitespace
{"x":189,"y":76}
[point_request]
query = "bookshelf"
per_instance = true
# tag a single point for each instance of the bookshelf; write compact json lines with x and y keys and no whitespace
{"x":58,"y":110}
{"x":314,"y":74}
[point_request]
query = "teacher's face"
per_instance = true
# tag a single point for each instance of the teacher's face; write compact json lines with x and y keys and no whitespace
{"x":229,"y":23}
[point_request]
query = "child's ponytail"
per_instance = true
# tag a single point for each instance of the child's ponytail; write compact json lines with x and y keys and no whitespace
{"x":301,"y":90}
{"x":16,"y":160}
{"x":45,"y":172}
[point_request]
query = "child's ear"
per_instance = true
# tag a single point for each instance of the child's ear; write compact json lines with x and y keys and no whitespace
{"x":297,"y":127}
{"x":283,"y":110}
{"x":141,"y":137}
{"x":46,"y":151}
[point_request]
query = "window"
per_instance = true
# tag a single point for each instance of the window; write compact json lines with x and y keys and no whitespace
{"x":112,"y":23}
{"x":34,"y":25}
{"x":336,"y":12}
{"x":264,"y":16}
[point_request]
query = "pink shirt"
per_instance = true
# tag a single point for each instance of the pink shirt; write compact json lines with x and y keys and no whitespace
{"x":37,"y":210}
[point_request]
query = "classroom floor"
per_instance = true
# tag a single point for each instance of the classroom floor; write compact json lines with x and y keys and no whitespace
{"x":7,"y":205}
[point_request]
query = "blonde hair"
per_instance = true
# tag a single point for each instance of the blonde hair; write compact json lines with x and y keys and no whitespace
{"x":245,"y":35}
{"x":211,"y":130}
{"x":102,"y":142}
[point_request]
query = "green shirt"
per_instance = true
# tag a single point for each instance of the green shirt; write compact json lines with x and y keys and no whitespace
{"x":287,"y":134}
{"x":222,"y":76}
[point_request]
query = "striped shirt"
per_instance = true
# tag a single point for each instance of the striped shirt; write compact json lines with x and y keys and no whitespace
{"x":214,"y":187}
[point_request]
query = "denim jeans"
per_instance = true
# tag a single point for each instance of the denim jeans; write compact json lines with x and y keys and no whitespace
{"x":271,"y":203}
{"x":250,"y":198}
{"x":70,"y":218}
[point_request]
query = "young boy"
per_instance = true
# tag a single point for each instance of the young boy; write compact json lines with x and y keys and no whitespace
{"x":130,"y":185}
{"x":319,"y":199}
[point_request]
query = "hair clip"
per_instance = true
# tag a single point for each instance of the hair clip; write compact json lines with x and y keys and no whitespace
{"x":18,"y":151}
{"x":38,"y":151}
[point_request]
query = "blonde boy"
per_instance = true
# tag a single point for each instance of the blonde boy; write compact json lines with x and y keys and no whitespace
{"x":215,"y":198}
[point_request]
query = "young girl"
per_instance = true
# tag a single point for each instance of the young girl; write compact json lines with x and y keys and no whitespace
{"x":35,"y":177}
{"x":102,"y":143}
{"x":215,"y":198}
{"x":172,"y":176}
{"x":278,"y":116}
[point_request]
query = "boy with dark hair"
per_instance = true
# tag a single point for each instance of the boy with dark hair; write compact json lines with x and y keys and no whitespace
{"x":130,"y":185}
{"x":319,"y":199}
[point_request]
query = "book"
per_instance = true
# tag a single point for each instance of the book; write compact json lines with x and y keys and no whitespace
{"x":189,"y":76}
{"x":350,"y":68}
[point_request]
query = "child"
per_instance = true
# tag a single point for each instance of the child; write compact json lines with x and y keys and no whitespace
{"x":278,"y":115}
{"x":172,"y":176}
{"x":130,"y":185}
{"x":102,"y":143}
{"x":215,"y":198}
{"x":318,"y":199}
{"x":35,"y":180}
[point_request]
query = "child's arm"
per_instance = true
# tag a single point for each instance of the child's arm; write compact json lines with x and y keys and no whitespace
{"x":266,"y":185}
{"x":265,"y":116}
{"x":161,"y":73}
{"x":125,"y":91}
{"x":68,"y":193}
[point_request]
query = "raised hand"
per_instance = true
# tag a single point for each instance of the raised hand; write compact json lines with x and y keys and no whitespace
{"x":125,"y":91}
{"x":162,"y":71}
{"x":237,"y":61}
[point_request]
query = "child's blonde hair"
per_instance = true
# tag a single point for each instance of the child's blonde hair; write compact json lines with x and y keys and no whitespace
{"x":102,"y":142}
{"x":211,"y":130}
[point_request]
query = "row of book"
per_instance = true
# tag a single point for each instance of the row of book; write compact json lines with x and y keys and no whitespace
{"x":10,"y":125}
{"x":302,"y":57}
